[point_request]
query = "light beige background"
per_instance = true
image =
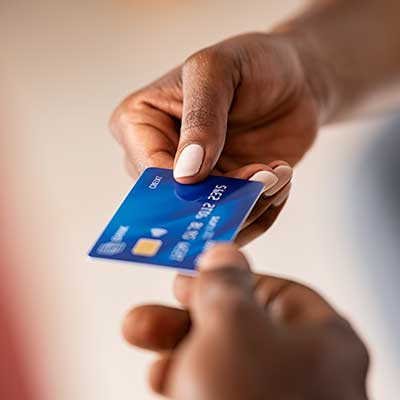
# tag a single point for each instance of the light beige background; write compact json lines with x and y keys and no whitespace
{"x":64,"y":67}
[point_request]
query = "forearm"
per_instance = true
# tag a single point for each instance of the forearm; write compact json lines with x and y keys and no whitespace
{"x":352,"y":52}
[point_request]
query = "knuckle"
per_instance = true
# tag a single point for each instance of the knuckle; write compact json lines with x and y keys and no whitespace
{"x":129,"y":113}
{"x":201,"y":60}
{"x":210,"y":61}
{"x":113,"y":124}
{"x":272,"y":286}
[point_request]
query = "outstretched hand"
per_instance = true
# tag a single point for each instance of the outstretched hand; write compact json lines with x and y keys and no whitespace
{"x":245,"y":336}
{"x":244,"y":103}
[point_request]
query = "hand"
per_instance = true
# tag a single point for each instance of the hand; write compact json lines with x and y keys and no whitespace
{"x":243,"y":101}
{"x":248,"y":337}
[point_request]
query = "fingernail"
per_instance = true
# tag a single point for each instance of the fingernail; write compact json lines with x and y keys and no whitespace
{"x":284,"y":174}
{"x":266,"y":177}
{"x":281,"y":197}
{"x":189,"y":161}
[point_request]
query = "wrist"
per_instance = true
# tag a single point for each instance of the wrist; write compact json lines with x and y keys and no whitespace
{"x":315,"y":36}
{"x":318,"y":74}
{"x":347,"y":75}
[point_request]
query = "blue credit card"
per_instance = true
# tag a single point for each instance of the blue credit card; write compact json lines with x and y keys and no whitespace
{"x":165,"y":223}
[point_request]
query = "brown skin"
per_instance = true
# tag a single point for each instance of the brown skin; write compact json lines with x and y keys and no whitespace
{"x":261,"y":97}
{"x":252,"y":100}
{"x":245,"y":100}
{"x":252,"y":337}
{"x":247,"y":97}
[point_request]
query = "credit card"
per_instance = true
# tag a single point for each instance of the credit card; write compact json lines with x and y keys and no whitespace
{"x":162,"y":222}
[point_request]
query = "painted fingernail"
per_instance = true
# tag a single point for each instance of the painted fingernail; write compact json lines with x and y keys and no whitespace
{"x":189,"y":161}
{"x":284,"y":174}
{"x":266,"y":177}
{"x":281,"y":197}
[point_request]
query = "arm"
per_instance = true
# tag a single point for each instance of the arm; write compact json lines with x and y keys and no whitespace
{"x":257,"y":100}
{"x":355,"y":46}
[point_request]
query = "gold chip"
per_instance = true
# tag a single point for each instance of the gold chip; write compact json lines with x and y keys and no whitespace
{"x":146,"y":247}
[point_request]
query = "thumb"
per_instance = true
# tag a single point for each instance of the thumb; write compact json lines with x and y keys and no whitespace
{"x":208,"y":80}
{"x":224,"y":288}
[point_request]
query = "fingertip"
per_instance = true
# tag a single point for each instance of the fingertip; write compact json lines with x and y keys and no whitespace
{"x":132,"y":171}
{"x":281,"y":197}
{"x":189,"y":180}
{"x":135,"y":326}
{"x":155,"y":327}
{"x":193,"y":175}
{"x":158,"y":373}
{"x":284,"y":172}
{"x":223,"y":290}
{"x":160,"y":159}
{"x":188,"y":162}
{"x":258,"y":227}
{"x":222,"y":255}
{"x":183,"y":286}
{"x":277,"y":163}
{"x":248,"y":171}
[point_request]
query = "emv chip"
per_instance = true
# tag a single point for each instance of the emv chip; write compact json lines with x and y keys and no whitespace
{"x":146,"y":247}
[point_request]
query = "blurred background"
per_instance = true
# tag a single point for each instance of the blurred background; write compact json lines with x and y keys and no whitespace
{"x":64,"y":66}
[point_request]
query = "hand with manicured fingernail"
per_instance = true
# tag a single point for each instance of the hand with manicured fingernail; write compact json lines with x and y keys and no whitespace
{"x":276,"y":179}
{"x":248,"y":337}
{"x":242,"y":102}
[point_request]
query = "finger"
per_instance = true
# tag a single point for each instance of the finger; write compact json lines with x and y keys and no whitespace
{"x":155,"y":327}
{"x":147,"y":147}
{"x":264,"y":204}
{"x":282,"y":196}
{"x":275,"y":176}
{"x":183,"y":286}
{"x":208,"y":80}
{"x":222,"y":254}
{"x":297,"y":304}
{"x":259,"y":226}
{"x":256,"y":172}
{"x":148,"y":135}
{"x":291,"y":303}
{"x":158,"y":374}
{"x":266,"y":175}
{"x":223,"y":286}
{"x":284,"y":172}
{"x":133,"y":172}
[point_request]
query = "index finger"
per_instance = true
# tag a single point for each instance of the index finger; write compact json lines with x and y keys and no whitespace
{"x":147,"y":134}
{"x":146,"y":147}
